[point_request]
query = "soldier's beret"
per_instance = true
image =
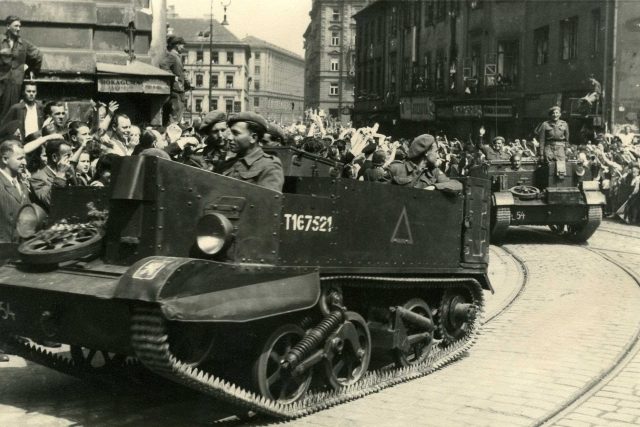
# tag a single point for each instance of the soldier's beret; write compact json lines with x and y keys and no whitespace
{"x":552,"y":109}
{"x":420,"y":145}
{"x":498,"y":138}
{"x":249,"y":117}
{"x":275,"y":131}
{"x":378,"y":158}
{"x":174,"y":41}
{"x":211,"y":119}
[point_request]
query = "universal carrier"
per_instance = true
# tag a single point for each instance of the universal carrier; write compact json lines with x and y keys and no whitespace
{"x":281,"y":303}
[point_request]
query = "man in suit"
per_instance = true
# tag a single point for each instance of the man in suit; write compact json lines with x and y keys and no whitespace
{"x":54,"y":174}
{"x":28,"y":112}
{"x":15,"y":53}
{"x":14,"y":193}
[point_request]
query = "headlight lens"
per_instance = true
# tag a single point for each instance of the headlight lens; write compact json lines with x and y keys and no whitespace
{"x":214,"y":232}
{"x":31,"y":218}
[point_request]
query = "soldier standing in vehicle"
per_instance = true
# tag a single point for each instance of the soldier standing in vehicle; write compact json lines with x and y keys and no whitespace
{"x":554,"y":137}
{"x":251,"y":164}
{"x":496,"y":150}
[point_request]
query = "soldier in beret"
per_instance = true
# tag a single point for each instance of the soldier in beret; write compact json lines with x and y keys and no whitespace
{"x":211,"y":157}
{"x":274,"y":136}
{"x":420,"y":168}
{"x":172,"y":62}
{"x":553,"y":137}
{"x":496,"y":150}
{"x":15,"y":53}
{"x":251,"y":164}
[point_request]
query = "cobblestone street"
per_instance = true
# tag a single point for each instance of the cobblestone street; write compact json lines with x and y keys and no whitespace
{"x":541,"y":358}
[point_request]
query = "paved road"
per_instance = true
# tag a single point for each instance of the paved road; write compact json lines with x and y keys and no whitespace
{"x":570,"y":323}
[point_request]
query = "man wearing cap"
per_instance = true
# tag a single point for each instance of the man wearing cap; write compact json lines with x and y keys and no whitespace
{"x":212,"y":155}
{"x":554,"y":137}
{"x":15,"y":53}
{"x":420,"y":168}
{"x":172,"y":62}
{"x":251,"y":164}
{"x":496,"y":150}
{"x":274,"y":136}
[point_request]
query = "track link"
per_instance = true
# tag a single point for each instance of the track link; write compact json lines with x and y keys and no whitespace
{"x":150,"y":341}
{"x":500,"y":224}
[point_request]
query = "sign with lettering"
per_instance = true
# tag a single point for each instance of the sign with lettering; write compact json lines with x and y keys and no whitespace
{"x":417,"y":109}
{"x":467,"y":111}
{"x":497,"y":110}
{"x":123,"y":84}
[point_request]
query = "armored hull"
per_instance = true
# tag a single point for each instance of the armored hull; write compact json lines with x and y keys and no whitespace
{"x":246,"y":294}
{"x":532,"y":194}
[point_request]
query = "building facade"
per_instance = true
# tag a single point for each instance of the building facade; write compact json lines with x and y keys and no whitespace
{"x":229,"y":77}
{"x":277,"y":81}
{"x":330,"y":57}
{"x":95,"y":50}
{"x":458,"y":65}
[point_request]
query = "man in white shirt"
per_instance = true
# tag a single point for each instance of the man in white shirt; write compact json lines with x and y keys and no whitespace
{"x":28,"y":111}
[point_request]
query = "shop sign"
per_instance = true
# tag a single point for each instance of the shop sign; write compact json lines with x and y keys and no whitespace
{"x":132,"y":85}
{"x":467,"y":111}
{"x":417,"y":109}
{"x":498,"y":111}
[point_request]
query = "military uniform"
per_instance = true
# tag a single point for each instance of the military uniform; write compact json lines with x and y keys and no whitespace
{"x":492,"y":154}
{"x":554,"y":137}
{"x":409,"y":174}
{"x":258,"y":168}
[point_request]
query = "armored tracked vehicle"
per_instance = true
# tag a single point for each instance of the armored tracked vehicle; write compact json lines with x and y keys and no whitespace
{"x":530,"y":193}
{"x":281,"y":303}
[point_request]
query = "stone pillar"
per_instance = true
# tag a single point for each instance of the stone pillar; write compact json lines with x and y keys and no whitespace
{"x":158,"y":31}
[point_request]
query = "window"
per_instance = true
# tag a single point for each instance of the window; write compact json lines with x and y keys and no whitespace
{"x":596,"y":24}
{"x":257,"y":70}
{"x":335,"y":65}
{"x":440,"y":71}
{"x":541,"y":44}
{"x":198,"y":105}
{"x":229,"y":57}
{"x":335,"y":15}
{"x":199,"y":56}
{"x":256,"y":101}
{"x":335,"y":38}
{"x":569,"y":38}
{"x":199,"y":79}
{"x":256,"y":84}
{"x":237,"y":106}
{"x":213,"y":104}
{"x":214,"y":81}
{"x":229,"y":84}
{"x":228,"y":103}
{"x":333,"y":89}
{"x":215,"y":58}
{"x":257,"y":56}
{"x":507,"y":66}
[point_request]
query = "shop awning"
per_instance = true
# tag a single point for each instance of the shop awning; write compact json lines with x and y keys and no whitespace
{"x":134,"y":77}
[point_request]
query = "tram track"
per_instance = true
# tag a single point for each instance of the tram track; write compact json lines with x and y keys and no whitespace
{"x":622,"y":360}
{"x":627,"y":353}
{"x":518,"y":291}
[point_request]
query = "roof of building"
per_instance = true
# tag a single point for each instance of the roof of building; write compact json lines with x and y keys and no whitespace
{"x":193,"y":30}
{"x":257,"y":43}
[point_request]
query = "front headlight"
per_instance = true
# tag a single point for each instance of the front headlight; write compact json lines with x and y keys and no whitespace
{"x":214,"y":232}
{"x":31,"y":219}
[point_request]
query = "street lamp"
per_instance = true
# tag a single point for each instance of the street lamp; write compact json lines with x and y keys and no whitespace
{"x":225,"y":5}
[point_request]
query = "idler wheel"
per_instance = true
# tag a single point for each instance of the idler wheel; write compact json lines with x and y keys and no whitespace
{"x":457,"y":313}
{"x":62,"y":243}
{"x":271,"y":379}
{"x":419,"y":340}
{"x":349,"y":352}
